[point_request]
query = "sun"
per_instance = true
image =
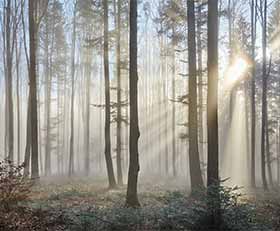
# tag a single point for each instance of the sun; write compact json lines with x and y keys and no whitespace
{"x":236,"y":71}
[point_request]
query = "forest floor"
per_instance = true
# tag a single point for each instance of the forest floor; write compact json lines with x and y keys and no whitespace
{"x":86,"y":204}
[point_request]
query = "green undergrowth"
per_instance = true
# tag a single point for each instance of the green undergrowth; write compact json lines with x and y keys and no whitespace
{"x":83,"y":206}
{"x":79,"y":209}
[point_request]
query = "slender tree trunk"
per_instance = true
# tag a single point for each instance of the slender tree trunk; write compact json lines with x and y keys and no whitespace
{"x":253,"y":101}
{"x":65,"y":105}
{"x":9,"y":87}
{"x":108,"y":157}
{"x":41,"y":169}
{"x":87,"y":114}
{"x":33,"y":91}
{"x":174,"y":154}
{"x":212,"y":113}
{"x":194,"y":160}
{"x":58,"y":150}
{"x":48,"y":77}
{"x":119,"y":89}
{"x":28,"y":139}
{"x":264,"y":96}
{"x":231,"y":48}
{"x":71,"y":149}
{"x":101,"y":119}
{"x":200,"y":85}
{"x":246,"y":86}
{"x":165,"y":97}
{"x":18,"y":52}
{"x":268,"y":155}
{"x":134,"y":133}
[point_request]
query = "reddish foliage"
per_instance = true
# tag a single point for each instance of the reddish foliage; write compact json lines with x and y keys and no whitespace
{"x":14,"y":186}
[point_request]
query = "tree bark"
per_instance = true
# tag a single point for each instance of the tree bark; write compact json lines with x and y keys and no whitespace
{"x":134,"y":133}
{"x":174,"y":154}
{"x":18,"y":55}
{"x":264,"y":95}
{"x":9,"y":82}
{"x":194,"y":160}
{"x":212,"y":114}
{"x":119,"y":89}
{"x":253,"y":101}
{"x":71,"y":149}
{"x":32,"y":89}
{"x":268,"y":155}
{"x":28,"y":140}
{"x":48,"y":80}
{"x":200,"y":86}
{"x":108,"y":157}
{"x":87,"y":113}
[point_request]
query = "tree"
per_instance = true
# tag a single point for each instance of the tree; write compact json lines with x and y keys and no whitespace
{"x":108,"y":157}
{"x":264,"y":93}
{"x":212,"y":110}
{"x":134,"y":133}
{"x":48,"y":85}
{"x":212,"y":97}
{"x":33,"y":89}
{"x":10,"y":30}
{"x":194,"y":161}
{"x":86,"y":21}
{"x":253,"y":100}
{"x":53,"y":39}
{"x":73,"y":50}
{"x":172,"y":20}
{"x":18,"y":57}
{"x":119,"y":90}
{"x":200,"y":47}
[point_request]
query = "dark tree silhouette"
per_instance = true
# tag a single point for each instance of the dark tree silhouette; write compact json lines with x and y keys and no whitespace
{"x":109,"y":163}
{"x":194,"y":162}
{"x":134,"y":134}
{"x":212,"y":113}
{"x":33,"y":89}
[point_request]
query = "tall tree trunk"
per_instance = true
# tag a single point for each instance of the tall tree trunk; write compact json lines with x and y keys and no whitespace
{"x":119,"y":89}
{"x":253,"y":101}
{"x":32,"y":89}
{"x":71,"y":149}
{"x":268,"y":155}
{"x":264,"y":95}
{"x":212,"y":113}
{"x":58,"y":150}
{"x":134,"y":133}
{"x":165,"y":102}
{"x":65,"y":121}
{"x":48,"y":77}
{"x":231,"y":48}
{"x":18,"y":54}
{"x":194,"y":160}
{"x":9,"y":87}
{"x":87,"y":113}
{"x":174,"y":154}
{"x":41,"y":169}
{"x":200,"y":85}
{"x":28,"y":139}
{"x":108,"y":157}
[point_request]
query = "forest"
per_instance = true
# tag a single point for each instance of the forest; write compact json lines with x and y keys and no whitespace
{"x":139,"y":115}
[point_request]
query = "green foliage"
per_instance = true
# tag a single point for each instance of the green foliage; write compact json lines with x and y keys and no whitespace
{"x":235,"y":215}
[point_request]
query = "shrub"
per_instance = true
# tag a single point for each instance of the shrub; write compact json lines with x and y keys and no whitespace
{"x":233,"y":214}
{"x":14,"y":186}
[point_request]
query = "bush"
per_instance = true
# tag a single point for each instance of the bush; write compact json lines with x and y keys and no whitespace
{"x":233,"y":214}
{"x":14,"y":186}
